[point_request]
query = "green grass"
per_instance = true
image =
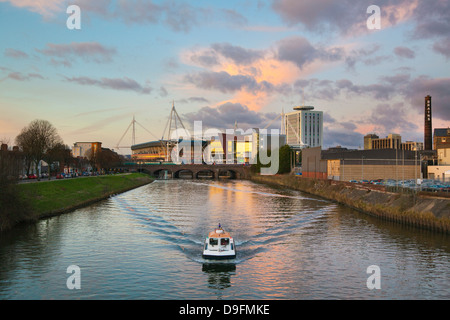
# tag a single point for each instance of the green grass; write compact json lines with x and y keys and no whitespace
{"x":52,"y":197}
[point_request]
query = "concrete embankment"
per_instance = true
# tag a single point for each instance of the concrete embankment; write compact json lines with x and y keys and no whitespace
{"x":49,"y":198}
{"x":426,"y":212}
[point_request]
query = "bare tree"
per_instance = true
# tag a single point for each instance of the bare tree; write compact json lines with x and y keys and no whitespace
{"x":37,"y":139}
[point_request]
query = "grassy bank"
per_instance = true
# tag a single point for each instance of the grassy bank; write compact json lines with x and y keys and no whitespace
{"x":424,"y":212}
{"x":47,"y":198}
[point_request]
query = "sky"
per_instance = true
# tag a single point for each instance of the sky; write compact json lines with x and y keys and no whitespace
{"x":222,"y":62}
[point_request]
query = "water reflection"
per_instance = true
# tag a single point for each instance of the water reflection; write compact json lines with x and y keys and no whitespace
{"x":147,"y":243}
{"x":219,"y":274}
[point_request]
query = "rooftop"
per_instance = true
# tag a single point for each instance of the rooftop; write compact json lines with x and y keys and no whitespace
{"x":442,"y":132}
{"x":303,"y":108}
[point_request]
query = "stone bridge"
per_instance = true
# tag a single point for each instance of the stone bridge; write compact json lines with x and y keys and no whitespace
{"x":195,"y":171}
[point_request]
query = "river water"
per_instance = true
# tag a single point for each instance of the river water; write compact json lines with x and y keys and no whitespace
{"x":147,"y":244}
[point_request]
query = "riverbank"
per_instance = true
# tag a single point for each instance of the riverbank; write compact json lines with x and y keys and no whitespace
{"x":420,"y":211}
{"x":49,"y":198}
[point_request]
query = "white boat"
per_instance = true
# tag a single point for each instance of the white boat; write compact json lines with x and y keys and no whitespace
{"x":219,"y":245}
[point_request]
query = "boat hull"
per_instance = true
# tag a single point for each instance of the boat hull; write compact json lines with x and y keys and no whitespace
{"x":218,"y":257}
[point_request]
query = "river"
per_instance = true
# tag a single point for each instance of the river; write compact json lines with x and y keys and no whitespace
{"x":147,"y":244}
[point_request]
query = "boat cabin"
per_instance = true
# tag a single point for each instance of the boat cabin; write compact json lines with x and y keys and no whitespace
{"x":219,"y":244}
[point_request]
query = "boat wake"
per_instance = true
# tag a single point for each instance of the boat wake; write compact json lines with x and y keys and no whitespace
{"x":183,"y":233}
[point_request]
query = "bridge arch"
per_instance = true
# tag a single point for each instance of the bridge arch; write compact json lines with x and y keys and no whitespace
{"x":183,"y":174}
{"x":159,"y":172}
{"x":205,"y":174}
{"x":228,"y":174}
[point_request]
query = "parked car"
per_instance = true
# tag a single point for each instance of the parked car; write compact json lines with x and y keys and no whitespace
{"x":32,"y":176}
{"x":364,"y":181}
{"x":59,"y":176}
{"x":353,"y":181}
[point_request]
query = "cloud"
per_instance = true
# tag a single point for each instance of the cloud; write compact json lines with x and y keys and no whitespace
{"x":220,"y":54}
{"x":252,"y":75}
{"x":404,"y":52}
{"x":442,"y":47}
{"x":432,"y":19}
{"x":44,"y":7}
{"x":226,"y":83}
{"x":391,"y":118}
{"x":429,"y":18}
{"x":385,"y":118}
{"x":297,"y":50}
{"x":225,"y":115}
{"x":301,"y":52}
{"x":89,"y":51}
{"x":237,"y":54}
{"x":125,"y":84}
{"x":63,"y":62}
{"x":386,"y":88}
{"x":194,"y":100}
{"x":179,"y":16}
{"x":163,"y":92}
{"x":204,"y":58}
{"x":345,"y":17}
{"x":235,"y":18}
{"x":437,"y":88}
{"x":340,"y":133}
{"x":13,"y":53}
{"x":360,"y":54}
{"x":18,"y":76}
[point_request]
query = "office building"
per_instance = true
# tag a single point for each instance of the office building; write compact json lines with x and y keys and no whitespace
{"x":392,"y":141}
{"x":304,"y":127}
{"x":368,"y":140}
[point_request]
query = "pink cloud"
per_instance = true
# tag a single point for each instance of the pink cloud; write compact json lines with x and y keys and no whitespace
{"x":44,"y":7}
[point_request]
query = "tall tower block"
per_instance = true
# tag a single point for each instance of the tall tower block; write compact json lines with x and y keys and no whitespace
{"x":428,"y":139}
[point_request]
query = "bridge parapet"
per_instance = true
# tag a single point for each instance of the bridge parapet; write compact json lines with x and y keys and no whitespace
{"x":237,"y":171}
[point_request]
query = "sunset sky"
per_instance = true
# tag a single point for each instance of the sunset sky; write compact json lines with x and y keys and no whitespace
{"x":221,"y":62}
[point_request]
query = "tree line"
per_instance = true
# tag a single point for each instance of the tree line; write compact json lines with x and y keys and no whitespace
{"x":41,"y":141}
{"x":35,"y":142}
